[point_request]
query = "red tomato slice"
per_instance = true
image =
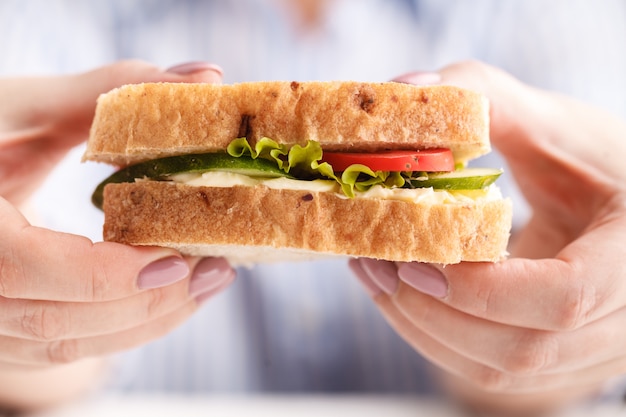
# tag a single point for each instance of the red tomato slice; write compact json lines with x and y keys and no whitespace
{"x":430,"y":160}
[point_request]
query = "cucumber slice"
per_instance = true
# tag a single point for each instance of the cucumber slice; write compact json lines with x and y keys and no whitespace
{"x":464,"y":179}
{"x":159,"y":169}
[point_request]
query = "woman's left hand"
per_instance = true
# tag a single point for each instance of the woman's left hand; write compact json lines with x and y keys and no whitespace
{"x":547,"y":325}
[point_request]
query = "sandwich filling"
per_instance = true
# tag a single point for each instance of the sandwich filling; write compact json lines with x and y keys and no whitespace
{"x":405,"y":175}
{"x":427,"y":195}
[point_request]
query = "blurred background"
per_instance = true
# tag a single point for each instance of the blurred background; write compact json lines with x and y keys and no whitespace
{"x":576,"y":47}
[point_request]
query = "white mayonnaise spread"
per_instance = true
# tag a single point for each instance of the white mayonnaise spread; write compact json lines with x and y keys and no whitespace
{"x":417,"y":195}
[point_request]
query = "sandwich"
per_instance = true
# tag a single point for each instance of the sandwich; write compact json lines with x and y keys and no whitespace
{"x":283,"y":171}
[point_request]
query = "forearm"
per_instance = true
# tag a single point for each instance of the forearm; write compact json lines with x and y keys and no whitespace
{"x":22,"y":390}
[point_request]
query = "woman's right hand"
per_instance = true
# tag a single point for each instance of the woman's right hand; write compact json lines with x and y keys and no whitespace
{"x":65,"y":298}
{"x":62,"y":297}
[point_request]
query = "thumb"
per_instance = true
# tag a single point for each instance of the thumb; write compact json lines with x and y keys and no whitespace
{"x":511,"y":102}
{"x":66,"y":104}
{"x":526,"y":120}
{"x":517,"y":110}
{"x":88,"y":85}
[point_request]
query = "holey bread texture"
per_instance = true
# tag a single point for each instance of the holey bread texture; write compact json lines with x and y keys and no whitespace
{"x":255,"y":223}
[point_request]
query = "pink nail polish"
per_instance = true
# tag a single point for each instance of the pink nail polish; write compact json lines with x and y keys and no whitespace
{"x":383,"y":273}
{"x":162,"y":272}
{"x":424,"y":278}
{"x":193,"y":67}
{"x":419,"y":78}
{"x":210,"y":274}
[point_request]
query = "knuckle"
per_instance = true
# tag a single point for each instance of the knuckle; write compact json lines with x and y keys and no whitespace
{"x":99,"y":284}
{"x":44,"y":322}
{"x":63,"y":351}
{"x":4,"y":275}
{"x":126,"y":69}
{"x":473,"y":65}
{"x":484,"y":299}
{"x":465,"y":63}
{"x":11,"y":273}
{"x":123,"y":66}
{"x":533,"y":352}
{"x":492,"y":380}
{"x":577,"y":307}
{"x":154,"y":302}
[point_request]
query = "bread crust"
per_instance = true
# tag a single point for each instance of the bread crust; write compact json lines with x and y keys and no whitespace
{"x":208,"y":221}
{"x":139,"y":122}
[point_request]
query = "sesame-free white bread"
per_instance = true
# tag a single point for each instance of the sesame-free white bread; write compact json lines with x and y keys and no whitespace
{"x":144,"y":121}
{"x":249,"y":224}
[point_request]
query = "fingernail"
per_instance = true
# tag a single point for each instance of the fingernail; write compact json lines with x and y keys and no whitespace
{"x":424,"y":278}
{"x":383,"y":273}
{"x":210,"y":275}
{"x":370,"y":286}
{"x":163,"y":272}
{"x":419,"y":78}
{"x":193,"y":67}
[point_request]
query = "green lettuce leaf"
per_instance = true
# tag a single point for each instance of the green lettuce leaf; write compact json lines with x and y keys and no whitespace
{"x":265,"y":148}
{"x":361,"y":178}
{"x":270,"y":159}
{"x":304,"y":162}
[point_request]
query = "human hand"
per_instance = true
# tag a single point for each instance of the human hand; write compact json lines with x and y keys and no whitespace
{"x":42,"y":118}
{"x":63,"y":297}
{"x":544,"y":327}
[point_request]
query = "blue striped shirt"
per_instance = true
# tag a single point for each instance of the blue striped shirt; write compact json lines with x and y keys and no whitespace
{"x":305,"y":327}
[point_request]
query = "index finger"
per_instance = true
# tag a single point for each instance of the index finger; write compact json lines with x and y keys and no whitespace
{"x":41,"y":264}
{"x":525,"y":119}
{"x":581,"y":284}
{"x":71,"y":99}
